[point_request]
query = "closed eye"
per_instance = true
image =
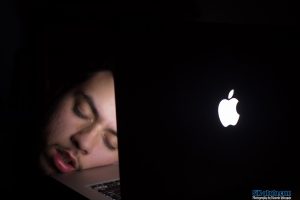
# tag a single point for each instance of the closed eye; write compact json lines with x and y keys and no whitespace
{"x":82,"y":109}
{"x":110,"y":140}
{"x":84,"y":106}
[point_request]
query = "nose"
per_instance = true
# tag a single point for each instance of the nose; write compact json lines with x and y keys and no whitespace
{"x":85,"y":140}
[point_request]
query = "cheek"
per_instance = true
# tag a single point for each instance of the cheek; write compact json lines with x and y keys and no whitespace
{"x":99,"y":158}
{"x":62,"y":126}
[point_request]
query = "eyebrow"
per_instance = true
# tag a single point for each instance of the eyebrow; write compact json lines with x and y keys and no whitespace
{"x":89,"y":100}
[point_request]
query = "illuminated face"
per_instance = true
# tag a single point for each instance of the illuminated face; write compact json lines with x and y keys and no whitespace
{"x":82,"y":132}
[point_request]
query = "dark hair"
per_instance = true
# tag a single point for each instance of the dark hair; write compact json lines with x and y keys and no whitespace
{"x":63,"y":82}
{"x":73,"y":52}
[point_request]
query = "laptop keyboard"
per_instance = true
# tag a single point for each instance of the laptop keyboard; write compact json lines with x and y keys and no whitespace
{"x":110,"y":189}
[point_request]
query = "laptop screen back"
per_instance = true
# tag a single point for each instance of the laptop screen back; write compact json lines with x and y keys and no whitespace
{"x":172,"y":140}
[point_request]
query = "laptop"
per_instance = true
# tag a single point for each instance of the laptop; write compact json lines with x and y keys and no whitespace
{"x":101,"y":183}
{"x":208,"y":111}
{"x":204,"y":111}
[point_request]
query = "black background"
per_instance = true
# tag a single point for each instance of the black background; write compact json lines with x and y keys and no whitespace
{"x":37,"y":37}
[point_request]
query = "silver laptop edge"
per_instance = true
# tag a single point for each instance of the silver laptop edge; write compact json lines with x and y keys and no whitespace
{"x":81,"y":181}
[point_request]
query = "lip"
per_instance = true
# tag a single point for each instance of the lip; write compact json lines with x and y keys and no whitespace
{"x":60,"y":162}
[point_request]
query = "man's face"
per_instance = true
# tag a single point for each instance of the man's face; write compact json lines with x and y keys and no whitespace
{"x":82,"y":132}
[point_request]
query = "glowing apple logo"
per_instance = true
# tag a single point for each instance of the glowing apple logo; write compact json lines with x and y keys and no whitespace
{"x":227,"y":111}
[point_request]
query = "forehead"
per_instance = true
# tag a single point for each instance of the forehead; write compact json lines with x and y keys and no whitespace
{"x":99,"y":81}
